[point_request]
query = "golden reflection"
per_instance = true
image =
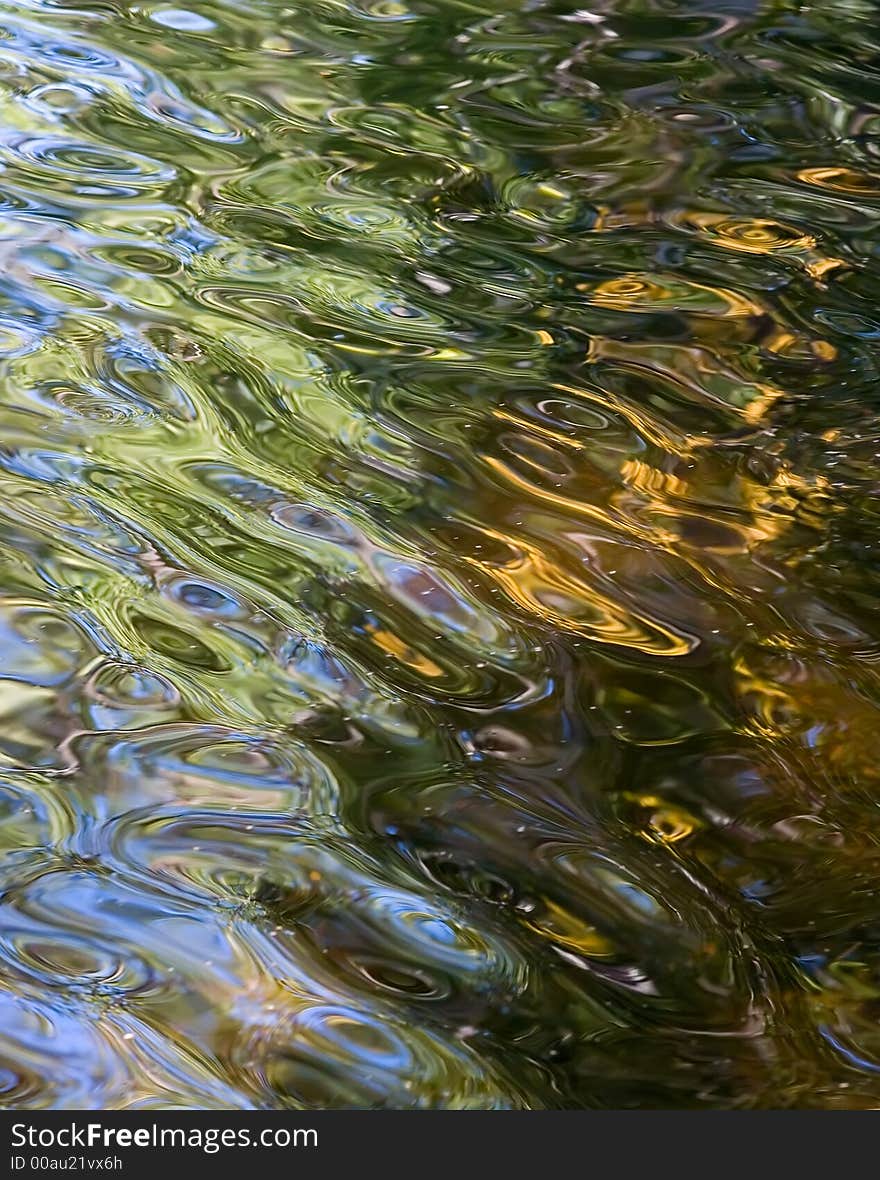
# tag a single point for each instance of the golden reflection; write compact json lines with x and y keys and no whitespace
{"x":787,"y":496}
{"x":781,"y":341}
{"x":649,"y":427}
{"x":771,"y":709}
{"x":765,"y":509}
{"x":754,"y":235}
{"x":577,"y":507}
{"x":557,"y":437}
{"x":821,"y":267}
{"x":394,"y":646}
{"x":561,"y":926}
{"x":668,"y":825}
{"x":650,"y":481}
{"x":697,"y":371}
{"x":538,"y":584}
{"x":664,"y":823}
{"x":824,"y":350}
{"x":841,"y":179}
{"x":634,"y":292}
{"x":784,"y":342}
{"x":757,"y":409}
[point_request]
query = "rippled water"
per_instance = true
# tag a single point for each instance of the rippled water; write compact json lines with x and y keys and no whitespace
{"x":439,"y":537}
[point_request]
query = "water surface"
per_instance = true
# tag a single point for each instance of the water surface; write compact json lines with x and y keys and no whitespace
{"x":439,"y":531}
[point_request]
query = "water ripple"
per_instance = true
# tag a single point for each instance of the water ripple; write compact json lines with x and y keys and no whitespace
{"x":438,"y":664}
